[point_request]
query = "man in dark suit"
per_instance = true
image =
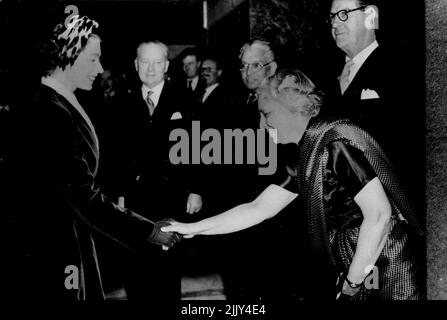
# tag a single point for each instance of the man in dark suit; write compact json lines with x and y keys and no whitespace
{"x":191,"y":62}
{"x":371,"y":83}
{"x":246,"y":276}
{"x":156,"y":109}
{"x":215,"y":103}
{"x":361,"y":82}
{"x":257,"y":63}
{"x":215,"y":109}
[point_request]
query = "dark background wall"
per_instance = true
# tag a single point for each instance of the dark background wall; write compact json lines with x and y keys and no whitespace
{"x":436,"y":147}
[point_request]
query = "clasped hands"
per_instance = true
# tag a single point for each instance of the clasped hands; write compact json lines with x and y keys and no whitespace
{"x":166,"y":239}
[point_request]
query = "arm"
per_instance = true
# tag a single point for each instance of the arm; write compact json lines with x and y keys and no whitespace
{"x":271,"y":201}
{"x":64,"y":161}
{"x":374,"y":229}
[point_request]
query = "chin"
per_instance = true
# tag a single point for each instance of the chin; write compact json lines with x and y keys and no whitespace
{"x":86,"y":87}
{"x":251,"y":85}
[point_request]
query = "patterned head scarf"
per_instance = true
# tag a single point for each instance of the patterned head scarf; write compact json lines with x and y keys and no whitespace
{"x":68,"y":41}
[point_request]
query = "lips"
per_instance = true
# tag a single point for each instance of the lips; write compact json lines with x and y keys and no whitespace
{"x":339,"y":33}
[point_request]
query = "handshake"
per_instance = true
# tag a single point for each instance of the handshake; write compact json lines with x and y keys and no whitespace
{"x":165,"y":239}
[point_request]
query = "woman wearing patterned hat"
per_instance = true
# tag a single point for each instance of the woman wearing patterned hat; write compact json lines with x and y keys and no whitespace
{"x":62,"y":205}
{"x":357,"y":210}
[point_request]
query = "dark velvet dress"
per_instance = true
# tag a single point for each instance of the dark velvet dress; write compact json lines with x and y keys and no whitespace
{"x":59,"y":205}
{"x":347,"y":171}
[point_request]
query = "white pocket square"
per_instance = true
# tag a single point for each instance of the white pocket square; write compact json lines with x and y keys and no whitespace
{"x":176,"y":115}
{"x":368,"y":94}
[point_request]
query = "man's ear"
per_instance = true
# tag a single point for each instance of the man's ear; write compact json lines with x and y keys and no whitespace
{"x":372,"y":18}
{"x":136,"y":64}
{"x":219,"y":73}
{"x":272,"y":69}
{"x":166,"y":65}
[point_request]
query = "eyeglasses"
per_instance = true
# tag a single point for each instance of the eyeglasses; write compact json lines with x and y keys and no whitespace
{"x":208,"y":69}
{"x":342,"y":15}
{"x":255,"y":67}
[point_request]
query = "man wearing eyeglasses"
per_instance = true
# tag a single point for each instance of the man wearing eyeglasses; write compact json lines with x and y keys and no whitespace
{"x":361,"y":82}
{"x":257,"y":64}
{"x":370,"y":80}
{"x":249,"y":275}
{"x":245,"y":276}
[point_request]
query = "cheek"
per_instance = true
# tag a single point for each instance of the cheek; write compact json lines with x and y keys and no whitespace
{"x":255,"y":78}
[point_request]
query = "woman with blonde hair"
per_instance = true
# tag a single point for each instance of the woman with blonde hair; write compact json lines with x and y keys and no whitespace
{"x":357,"y":210}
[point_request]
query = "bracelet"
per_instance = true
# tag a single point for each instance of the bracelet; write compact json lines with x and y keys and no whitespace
{"x":352,"y":284}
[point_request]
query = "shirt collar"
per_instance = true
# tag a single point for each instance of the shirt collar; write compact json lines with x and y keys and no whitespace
{"x":194,"y":82}
{"x":208,"y":91}
{"x":364,"y":54}
{"x":155,"y":96}
{"x":211,"y":87}
{"x":360,"y":58}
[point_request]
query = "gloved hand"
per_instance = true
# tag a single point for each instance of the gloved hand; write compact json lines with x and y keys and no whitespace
{"x":167,"y":239}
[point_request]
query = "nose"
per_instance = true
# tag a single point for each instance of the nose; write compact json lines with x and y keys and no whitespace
{"x":150,"y":66}
{"x":99,"y":68}
{"x":262,"y":121}
{"x":247,"y":71}
{"x":336,"y":22}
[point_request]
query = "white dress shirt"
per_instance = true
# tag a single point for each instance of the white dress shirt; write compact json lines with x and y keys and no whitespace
{"x":208,"y":91}
{"x":194,"y":82}
{"x":360,"y":58}
{"x":155,"y":96}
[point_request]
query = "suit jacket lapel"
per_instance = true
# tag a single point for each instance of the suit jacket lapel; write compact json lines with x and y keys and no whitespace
{"x":362,"y":77}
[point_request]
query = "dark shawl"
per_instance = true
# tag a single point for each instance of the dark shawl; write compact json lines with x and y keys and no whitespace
{"x":313,"y":160}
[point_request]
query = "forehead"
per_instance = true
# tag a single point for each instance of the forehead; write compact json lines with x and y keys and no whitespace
{"x":189,"y":59}
{"x":344,"y":4}
{"x":289,"y":81}
{"x":209,"y":63}
{"x":93,"y":47}
{"x":253,"y":54}
{"x":151,"y":51}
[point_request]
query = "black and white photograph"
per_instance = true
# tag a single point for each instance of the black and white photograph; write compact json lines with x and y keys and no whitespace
{"x":220,"y":157}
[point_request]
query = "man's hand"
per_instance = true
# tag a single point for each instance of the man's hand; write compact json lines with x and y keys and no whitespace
{"x":194,"y":203}
{"x":165,"y":239}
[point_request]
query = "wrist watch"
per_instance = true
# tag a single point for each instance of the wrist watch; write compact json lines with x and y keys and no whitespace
{"x":352,"y":284}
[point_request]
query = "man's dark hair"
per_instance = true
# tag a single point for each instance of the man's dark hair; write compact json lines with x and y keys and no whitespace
{"x":376,"y":3}
{"x":216,"y":59}
{"x":190,"y":51}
